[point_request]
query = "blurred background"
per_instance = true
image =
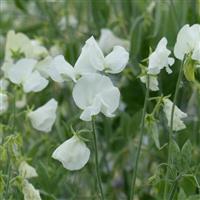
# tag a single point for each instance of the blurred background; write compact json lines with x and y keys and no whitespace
{"x":63,"y":26}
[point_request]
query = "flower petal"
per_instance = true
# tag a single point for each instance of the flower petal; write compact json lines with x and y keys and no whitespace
{"x":34,"y":83}
{"x":60,"y":69}
{"x":117,"y":60}
{"x":91,"y":58}
{"x":94,"y":93}
{"x":108,"y":40}
{"x":21,"y":70}
{"x":44,"y":117}
{"x":73,"y":154}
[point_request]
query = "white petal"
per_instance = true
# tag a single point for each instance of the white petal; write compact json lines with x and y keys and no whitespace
{"x":91,"y":58}
{"x":43,"y":118}
{"x":21,"y":70}
{"x":117,"y":60}
{"x":196,"y":52}
{"x":178,"y":124}
{"x":16,"y":42}
{"x":92,"y":110}
{"x":110,"y":101}
{"x":186,"y":41}
{"x":73,"y":154}
{"x":61,"y":69}
{"x":26,"y":170}
{"x":34,"y":83}
{"x":94,"y":93}
{"x":30,"y":193}
{"x":43,"y":66}
{"x":153,"y":82}
{"x":159,"y":59}
{"x":108,"y":40}
{"x":38,"y":50}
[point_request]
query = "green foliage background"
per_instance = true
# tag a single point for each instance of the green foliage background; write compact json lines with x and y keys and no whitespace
{"x":135,"y":21}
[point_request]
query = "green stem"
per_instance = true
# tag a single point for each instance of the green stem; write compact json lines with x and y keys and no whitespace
{"x":140,"y":141}
{"x":171,"y":126}
{"x":174,"y":188}
{"x":96,"y":159}
{"x":8,"y":155}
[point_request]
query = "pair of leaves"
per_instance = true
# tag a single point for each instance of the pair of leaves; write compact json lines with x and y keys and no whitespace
{"x":181,"y":159}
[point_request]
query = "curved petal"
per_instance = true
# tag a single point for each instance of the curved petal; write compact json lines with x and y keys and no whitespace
{"x":30,"y":193}
{"x":61,"y":69}
{"x":91,"y":58}
{"x":182,"y":46}
{"x":94,"y":93}
{"x":73,"y":154}
{"x":43,"y":118}
{"x":108,"y":40}
{"x":92,"y":110}
{"x":34,"y":83}
{"x":117,"y":60}
{"x":21,"y":70}
{"x":110,"y":101}
{"x":159,"y":59}
{"x":26,"y":170}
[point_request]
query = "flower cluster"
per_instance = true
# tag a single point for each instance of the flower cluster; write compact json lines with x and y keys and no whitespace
{"x":29,"y":65}
{"x":93,"y":93}
{"x":186,"y":49}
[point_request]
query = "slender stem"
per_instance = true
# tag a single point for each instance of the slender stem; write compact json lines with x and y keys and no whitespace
{"x":140,"y":141}
{"x":171,"y":126}
{"x":9,"y":167}
{"x":96,"y":160}
{"x":174,"y":188}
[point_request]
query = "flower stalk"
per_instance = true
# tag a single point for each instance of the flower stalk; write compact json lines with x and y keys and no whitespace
{"x":140,"y":141}
{"x":9,"y":167}
{"x":180,"y":75}
{"x":96,"y":159}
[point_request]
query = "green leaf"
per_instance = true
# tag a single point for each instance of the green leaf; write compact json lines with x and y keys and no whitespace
{"x":186,"y":157}
{"x":188,"y":184}
{"x":175,"y":160}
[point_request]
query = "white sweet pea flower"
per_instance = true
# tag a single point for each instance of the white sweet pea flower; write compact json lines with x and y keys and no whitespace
{"x":95,"y":93}
{"x":43,"y":118}
{"x":153,"y":82}
{"x":22,"y":72}
{"x":188,"y":42}
{"x":73,"y":153}
{"x":178,"y":124}
{"x":27,"y":171}
{"x":92,"y":59}
{"x":108,"y":40}
{"x":3,"y":102}
{"x":20,"y":42}
{"x":160,"y":59}
{"x":30,"y":193}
